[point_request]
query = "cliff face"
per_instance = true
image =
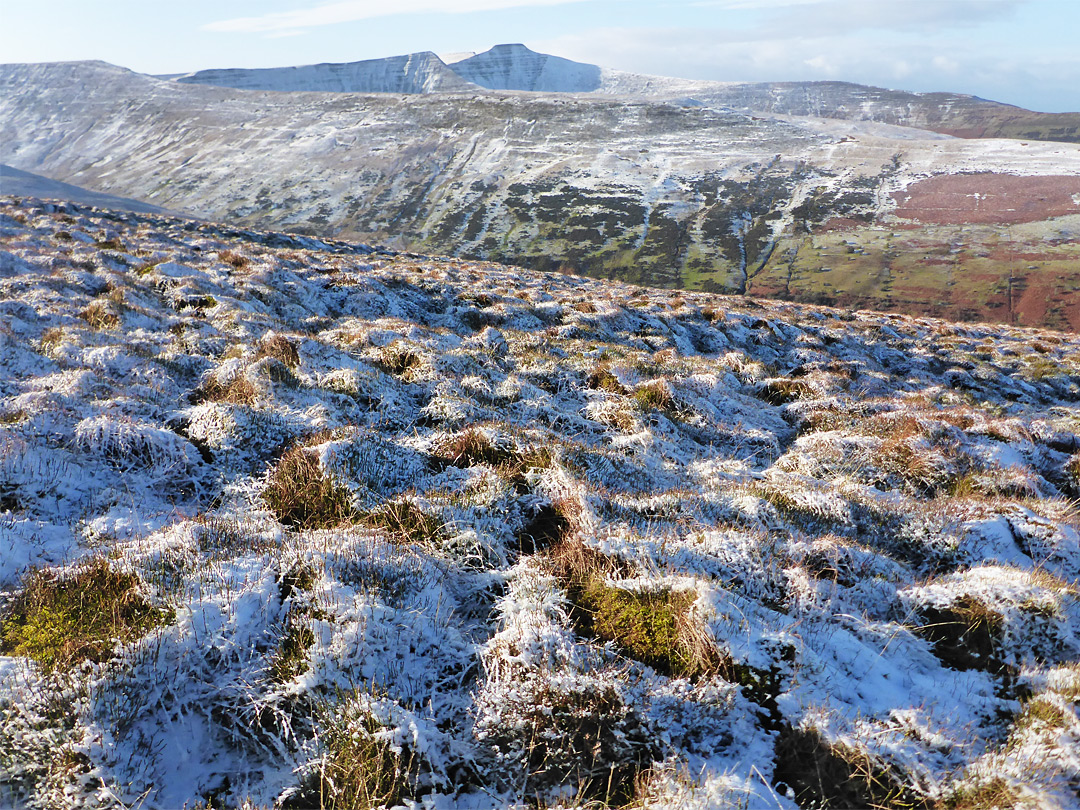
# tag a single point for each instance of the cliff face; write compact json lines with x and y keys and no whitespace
{"x":413,"y":73}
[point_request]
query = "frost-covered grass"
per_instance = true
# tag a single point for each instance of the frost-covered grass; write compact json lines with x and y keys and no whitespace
{"x":288,"y":523}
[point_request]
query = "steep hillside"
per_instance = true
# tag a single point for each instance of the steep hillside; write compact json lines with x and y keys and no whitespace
{"x":287,"y":522}
{"x":413,"y":73}
{"x":650,"y":192}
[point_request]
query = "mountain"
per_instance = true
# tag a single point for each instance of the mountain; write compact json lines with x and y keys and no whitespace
{"x":953,"y":114}
{"x":25,"y":184}
{"x":304,"y":525}
{"x":515,"y":67}
{"x":657,"y":191}
{"x":414,"y":73}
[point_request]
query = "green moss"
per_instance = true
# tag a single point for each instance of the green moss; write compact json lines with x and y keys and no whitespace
{"x":646,"y":624}
{"x":60,"y":620}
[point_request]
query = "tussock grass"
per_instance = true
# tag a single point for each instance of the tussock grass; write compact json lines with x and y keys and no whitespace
{"x":655,"y":396}
{"x":602,"y":379}
{"x":238,"y":391}
{"x":783,"y":390}
{"x":472,"y":447}
{"x":358,"y":769}
{"x":233,"y":258}
{"x":966,"y":634}
{"x":301,"y":495}
{"x":280,"y":348}
{"x":398,"y":359}
{"x":582,"y":737}
{"x":290,"y":657}
{"x":990,"y":794}
{"x":100,"y":316}
{"x":61,"y":619}
{"x":405,"y":522}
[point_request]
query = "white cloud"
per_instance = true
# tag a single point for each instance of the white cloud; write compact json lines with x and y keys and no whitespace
{"x":353,"y":10}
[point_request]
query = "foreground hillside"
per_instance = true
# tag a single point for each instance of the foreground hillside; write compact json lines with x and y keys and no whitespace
{"x":288,"y":522}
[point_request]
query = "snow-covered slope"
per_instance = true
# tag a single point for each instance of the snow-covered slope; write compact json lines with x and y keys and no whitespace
{"x":515,"y":67}
{"x":414,"y":73}
{"x":288,"y":523}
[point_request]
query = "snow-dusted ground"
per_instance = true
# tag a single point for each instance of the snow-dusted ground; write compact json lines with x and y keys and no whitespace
{"x":825,"y":486}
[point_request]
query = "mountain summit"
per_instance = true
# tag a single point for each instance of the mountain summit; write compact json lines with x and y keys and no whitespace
{"x":515,"y":67}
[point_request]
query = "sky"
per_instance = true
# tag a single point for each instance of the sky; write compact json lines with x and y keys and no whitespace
{"x":1022,"y":52}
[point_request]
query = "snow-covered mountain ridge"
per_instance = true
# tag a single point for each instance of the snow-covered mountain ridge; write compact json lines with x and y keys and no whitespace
{"x":516,"y":67}
{"x":374,"y":525}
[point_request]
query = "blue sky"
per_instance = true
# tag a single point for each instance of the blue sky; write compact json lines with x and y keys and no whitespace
{"x":1022,"y":52}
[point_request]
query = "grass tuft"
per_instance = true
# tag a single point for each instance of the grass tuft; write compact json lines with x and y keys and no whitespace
{"x":602,"y":379}
{"x":405,"y":522}
{"x":99,"y":316}
{"x":823,"y":774}
{"x":290,"y":658}
{"x":280,"y":348}
{"x":784,"y":390}
{"x":654,"y":627}
{"x":989,"y":795}
{"x":655,"y":396}
{"x":473,"y":447}
{"x":231,"y":257}
{"x":302,"y":496}
{"x":60,"y":620}
{"x":398,"y":359}
{"x":358,"y":770}
{"x":966,"y":635}
{"x":238,"y":391}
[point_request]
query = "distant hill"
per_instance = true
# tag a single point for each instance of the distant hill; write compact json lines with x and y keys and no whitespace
{"x":27,"y":184}
{"x":514,"y":67}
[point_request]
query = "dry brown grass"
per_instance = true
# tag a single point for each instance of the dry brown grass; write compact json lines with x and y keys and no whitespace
{"x":601,"y":379}
{"x":236,"y":260}
{"x":472,"y":447}
{"x":280,"y":348}
{"x":100,"y":316}
{"x":238,"y":391}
